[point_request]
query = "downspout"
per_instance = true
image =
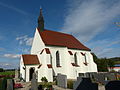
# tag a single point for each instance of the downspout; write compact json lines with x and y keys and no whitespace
{"x":25,"y":72}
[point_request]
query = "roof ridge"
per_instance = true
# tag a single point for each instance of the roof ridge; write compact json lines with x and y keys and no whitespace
{"x":57,"y":32}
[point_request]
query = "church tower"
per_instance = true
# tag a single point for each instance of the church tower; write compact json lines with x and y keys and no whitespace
{"x":40,"y":21}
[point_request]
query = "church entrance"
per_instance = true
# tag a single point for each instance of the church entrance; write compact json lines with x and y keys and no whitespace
{"x":31,"y":73}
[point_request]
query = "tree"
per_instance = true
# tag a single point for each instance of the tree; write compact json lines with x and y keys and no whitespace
{"x":110,"y":63}
{"x":102,"y":65}
{"x":1,"y":70}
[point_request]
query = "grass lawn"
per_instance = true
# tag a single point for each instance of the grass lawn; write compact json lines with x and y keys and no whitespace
{"x":117,"y":62}
{"x":7,"y":73}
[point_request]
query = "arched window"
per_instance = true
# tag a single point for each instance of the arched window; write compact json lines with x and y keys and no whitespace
{"x":85,"y":59}
{"x":57,"y":59}
{"x":75,"y":58}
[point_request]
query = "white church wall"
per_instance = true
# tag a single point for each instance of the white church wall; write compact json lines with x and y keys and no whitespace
{"x":49,"y":75}
{"x":90,"y":67}
{"x":93,"y":65}
{"x":69,"y":66}
{"x":66,"y":59}
{"x":42,"y":58}
{"x":48,"y":59}
{"x":37,"y":44}
{"x":63,"y":60}
{"x":44,"y":71}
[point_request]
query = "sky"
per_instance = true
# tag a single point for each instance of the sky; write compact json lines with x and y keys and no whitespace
{"x":92,"y":22}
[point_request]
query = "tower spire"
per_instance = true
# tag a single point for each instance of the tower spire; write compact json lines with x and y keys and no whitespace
{"x":41,"y":21}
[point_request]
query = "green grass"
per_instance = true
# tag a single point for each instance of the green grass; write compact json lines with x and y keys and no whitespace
{"x":7,"y":73}
{"x":117,"y":62}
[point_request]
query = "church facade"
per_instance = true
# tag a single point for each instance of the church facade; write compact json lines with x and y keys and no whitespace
{"x":55,"y":52}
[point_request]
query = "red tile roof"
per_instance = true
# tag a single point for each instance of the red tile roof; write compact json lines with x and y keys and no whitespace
{"x":30,"y":59}
{"x":61,"y":39}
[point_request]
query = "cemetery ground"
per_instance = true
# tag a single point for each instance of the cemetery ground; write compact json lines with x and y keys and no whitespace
{"x":10,"y":80}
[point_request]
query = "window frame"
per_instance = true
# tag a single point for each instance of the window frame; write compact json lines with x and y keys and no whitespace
{"x":57,"y":59}
{"x":75,"y":59}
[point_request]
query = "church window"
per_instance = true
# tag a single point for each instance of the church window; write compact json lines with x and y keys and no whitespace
{"x":75,"y":58}
{"x":85,"y":58}
{"x":57,"y":59}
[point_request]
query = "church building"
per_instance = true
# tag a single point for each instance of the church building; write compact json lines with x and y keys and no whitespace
{"x":55,"y":52}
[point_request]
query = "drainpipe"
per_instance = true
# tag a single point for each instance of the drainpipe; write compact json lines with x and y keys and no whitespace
{"x":25,"y":72}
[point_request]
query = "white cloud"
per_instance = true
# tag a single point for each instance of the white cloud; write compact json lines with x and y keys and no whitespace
{"x":9,"y":65}
{"x":12,"y":56}
{"x":86,"y":18}
{"x":25,"y":40}
{"x":106,"y":47}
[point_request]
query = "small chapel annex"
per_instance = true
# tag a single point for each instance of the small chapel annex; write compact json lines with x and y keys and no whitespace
{"x":55,"y":52}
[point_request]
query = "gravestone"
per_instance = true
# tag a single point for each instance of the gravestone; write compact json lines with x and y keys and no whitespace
{"x":85,"y":84}
{"x":111,"y":76}
{"x":103,"y":77}
{"x":90,"y":75}
{"x":99,"y":77}
{"x":82,"y":75}
{"x":113,"y":85}
{"x":76,"y":83}
{"x":16,"y":74}
{"x":34,"y":85}
{"x":62,"y":80}
{"x":10,"y":84}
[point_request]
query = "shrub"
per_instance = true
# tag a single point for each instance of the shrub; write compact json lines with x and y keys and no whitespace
{"x":47,"y":85}
{"x":44,"y":79}
{"x":70,"y":83}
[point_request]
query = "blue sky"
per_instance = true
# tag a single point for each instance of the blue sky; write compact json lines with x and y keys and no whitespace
{"x":90,"y":21}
